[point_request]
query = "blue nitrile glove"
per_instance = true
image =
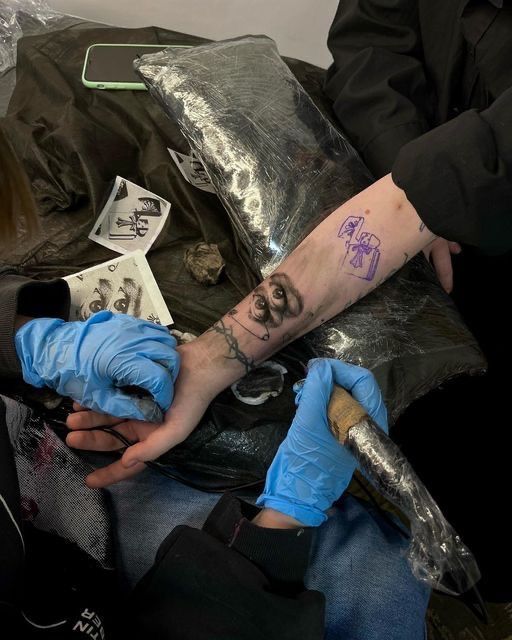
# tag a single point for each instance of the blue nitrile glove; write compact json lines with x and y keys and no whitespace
{"x":311,"y":468}
{"x":88,"y":361}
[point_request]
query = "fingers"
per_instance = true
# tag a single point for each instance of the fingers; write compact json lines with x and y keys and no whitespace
{"x":152,"y":377}
{"x":441,"y":259}
{"x":84,"y":419}
{"x":98,"y":440}
{"x":356,"y":380}
{"x":115,"y":402}
{"x":455,"y":247}
{"x":93,"y":441}
{"x":165,"y":437}
{"x":111,"y":474}
{"x":181,"y":419}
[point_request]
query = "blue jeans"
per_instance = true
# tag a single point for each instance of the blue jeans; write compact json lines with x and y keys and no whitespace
{"x":357,"y":561}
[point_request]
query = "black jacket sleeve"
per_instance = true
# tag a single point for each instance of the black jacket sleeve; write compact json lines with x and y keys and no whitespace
{"x":459,"y":177}
{"x":35,"y":299}
{"x":232,"y":580}
{"x":377,"y":81}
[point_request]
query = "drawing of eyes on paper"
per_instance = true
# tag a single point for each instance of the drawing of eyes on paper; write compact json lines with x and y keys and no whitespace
{"x":123,"y":296}
{"x":362,"y":253}
{"x":123,"y":285}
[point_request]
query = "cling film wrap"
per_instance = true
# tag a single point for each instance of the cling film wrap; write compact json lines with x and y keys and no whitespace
{"x":20,"y":18}
{"x":280,"y":167}
{"x":436,"y":554}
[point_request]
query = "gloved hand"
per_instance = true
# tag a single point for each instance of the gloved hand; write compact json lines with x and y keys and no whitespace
{"x":311,"y":468}
{"x":89,"y":361}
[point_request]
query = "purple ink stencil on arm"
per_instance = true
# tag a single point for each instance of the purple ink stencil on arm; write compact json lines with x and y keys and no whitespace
{"x":362,"y":249}
{"x":365,"y":258}
{"x":350,"y":228}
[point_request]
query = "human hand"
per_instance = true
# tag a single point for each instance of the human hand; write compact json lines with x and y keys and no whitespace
{"x":311,"y":468}
{"x":194,"y":390}
{"x":439,"y":254}
{"x":89,"y":362}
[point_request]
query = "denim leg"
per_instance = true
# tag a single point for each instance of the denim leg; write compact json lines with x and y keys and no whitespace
{"x":358,"y":561}
{"x":145,"y":509}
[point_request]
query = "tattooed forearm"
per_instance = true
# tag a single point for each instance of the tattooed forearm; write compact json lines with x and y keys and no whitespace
{"x":271,"y":303}
{"x":234,"y":348}
{"x":377,"y":284}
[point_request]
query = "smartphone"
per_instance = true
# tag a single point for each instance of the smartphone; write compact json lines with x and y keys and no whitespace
{"x":110,"y":66}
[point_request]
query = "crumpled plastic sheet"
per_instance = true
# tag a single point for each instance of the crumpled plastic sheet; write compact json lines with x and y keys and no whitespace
{"x":437,"y":555}
{"x":280,"y":167}
{"x":20,"y":18}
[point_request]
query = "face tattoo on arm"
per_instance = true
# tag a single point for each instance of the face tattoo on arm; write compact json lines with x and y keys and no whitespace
{"x":271,"y":303}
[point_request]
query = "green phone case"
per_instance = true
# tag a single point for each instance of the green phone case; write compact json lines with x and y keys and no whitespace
{"x":138,"y":86}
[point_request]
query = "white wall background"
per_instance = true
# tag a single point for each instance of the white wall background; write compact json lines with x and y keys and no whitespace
{"x":298,"y":26}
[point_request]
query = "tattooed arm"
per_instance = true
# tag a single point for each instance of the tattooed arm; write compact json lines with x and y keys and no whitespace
{"x":350,"y":253}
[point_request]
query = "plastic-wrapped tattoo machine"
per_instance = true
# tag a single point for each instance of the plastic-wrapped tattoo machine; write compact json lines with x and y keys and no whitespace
{"x":280,"y":167}
{"x":436,"y":554}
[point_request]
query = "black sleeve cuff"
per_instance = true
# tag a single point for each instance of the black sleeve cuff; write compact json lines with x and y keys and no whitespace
{"x":380,"y":153}
{"x":35,"y":299}
{"x":458,"y":179}
{"x":216,"y":583}
{"x":281,"y":554}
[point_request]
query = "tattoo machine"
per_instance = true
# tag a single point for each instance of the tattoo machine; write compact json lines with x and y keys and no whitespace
{"x":436,"y":554}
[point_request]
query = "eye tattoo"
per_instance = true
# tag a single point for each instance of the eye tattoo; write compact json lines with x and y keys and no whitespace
{"x":271,"y":303}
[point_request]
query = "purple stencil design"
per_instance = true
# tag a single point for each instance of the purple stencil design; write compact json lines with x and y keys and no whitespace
{"x":351,"y":226}
{"x":365,"y":244}
{"x":362,"y":249}
{"x":422,"y":226}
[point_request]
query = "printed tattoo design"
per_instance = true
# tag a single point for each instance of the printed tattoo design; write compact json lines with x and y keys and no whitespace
{"x":234,"y":348}
{"x":422,"y":227}
{"x":362,"y":252}
{"x":137,"y":223}
{"x":131,"y":218}
{"x":119,"y":296}
{"x":272,"y":301}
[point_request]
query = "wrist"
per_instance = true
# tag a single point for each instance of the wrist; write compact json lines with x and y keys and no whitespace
{"x":272,"y":519}
{"x":306,"y":515}
{"x":210,"y":356}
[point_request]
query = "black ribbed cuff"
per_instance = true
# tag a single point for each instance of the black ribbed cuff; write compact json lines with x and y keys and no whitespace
{"x":20,"y":295}
{"x":282,"y":554}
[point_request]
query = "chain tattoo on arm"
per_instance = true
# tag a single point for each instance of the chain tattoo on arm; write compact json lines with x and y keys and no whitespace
{"x":233,"y":345}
